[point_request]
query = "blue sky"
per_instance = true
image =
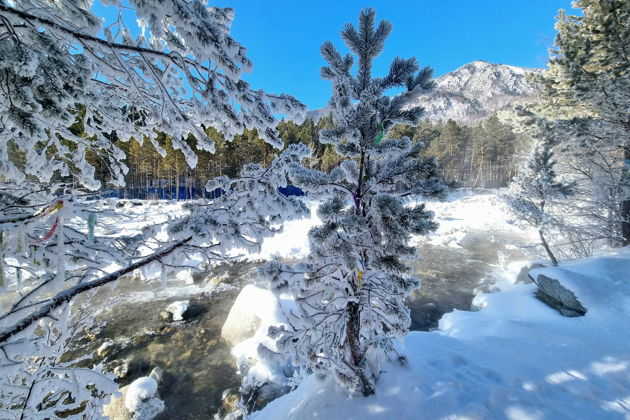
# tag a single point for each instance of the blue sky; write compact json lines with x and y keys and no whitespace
{"x":283,"y":36}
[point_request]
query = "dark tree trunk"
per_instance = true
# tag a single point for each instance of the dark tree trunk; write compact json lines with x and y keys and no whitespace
{"x":545,"y":245}
{"x":353,"y":333}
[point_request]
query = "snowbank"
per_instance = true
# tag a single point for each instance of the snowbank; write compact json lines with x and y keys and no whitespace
{"x":247,"y":324}
{"x":515,"y":358}
{"x":602,"y":284}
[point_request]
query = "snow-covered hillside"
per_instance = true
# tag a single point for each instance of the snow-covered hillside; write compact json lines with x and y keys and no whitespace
{"x":476,"y":90}
{"x":470,"y":93}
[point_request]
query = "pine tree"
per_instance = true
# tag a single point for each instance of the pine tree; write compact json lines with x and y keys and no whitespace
{"x":534,"y":191}
{"x":350,"y":293}
{"x":585,"y":92}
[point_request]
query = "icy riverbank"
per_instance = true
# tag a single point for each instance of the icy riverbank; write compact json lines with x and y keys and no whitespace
{"x":515,"y":358}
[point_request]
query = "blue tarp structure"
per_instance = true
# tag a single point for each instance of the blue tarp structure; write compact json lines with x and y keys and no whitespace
{"x":291,"y":190}
{"x":182,"y":194}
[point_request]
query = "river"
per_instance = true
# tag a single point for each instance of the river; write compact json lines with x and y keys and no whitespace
{"x":196,"y":360}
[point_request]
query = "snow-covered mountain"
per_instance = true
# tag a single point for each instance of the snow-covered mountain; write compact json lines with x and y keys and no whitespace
{"x":476,"y":90}
{"x":471,"y":93}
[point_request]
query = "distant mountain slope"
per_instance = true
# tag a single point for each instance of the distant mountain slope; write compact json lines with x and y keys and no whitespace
{"x":471,"y":93}
{"x":476,"y":90}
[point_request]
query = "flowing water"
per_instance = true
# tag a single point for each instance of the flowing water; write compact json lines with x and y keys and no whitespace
{"x":196,"y":360}
{"x":452,"y":276}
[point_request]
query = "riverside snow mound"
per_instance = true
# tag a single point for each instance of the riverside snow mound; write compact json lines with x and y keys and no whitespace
{"x":515,"y":358}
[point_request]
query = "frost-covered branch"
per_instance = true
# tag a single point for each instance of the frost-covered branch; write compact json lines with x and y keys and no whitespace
{"x":180,"y":76}
{"x":66,"y":295}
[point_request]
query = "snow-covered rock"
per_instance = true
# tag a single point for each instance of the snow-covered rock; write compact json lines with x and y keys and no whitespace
{"x":246,"y":327}
{"x":177,"y":309}
{"x":242,"y":321}
{"x":137,"y":401}
{"x":264,"y":372}
{"x":140,"y":390}
{"x":105,"y":348}
{"x":122,"y":370}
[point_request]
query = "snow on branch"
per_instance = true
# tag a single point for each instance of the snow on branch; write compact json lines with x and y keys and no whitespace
{"x":180,"y":76}
{"x":66,"y":295}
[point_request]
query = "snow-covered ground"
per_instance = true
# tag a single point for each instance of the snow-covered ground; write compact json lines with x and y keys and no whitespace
{"x":466,"y":211}
{"x":515,"y":358}
{"x":463,"y":212}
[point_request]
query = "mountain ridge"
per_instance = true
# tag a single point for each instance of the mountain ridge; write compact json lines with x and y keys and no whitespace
{"x":470,"y":93}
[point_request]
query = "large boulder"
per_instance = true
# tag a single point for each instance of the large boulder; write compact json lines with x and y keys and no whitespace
{"x":242,"y":322}
{"x":558,"y":297}
{"x":264,"y":370}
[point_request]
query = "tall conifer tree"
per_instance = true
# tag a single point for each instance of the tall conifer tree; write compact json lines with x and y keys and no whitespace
{"x":350,"y":292}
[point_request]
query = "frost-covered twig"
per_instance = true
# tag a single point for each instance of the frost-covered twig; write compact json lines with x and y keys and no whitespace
{"x":66,"y":295}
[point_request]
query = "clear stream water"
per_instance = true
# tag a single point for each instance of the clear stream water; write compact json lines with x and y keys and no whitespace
{"x":196,"y":360}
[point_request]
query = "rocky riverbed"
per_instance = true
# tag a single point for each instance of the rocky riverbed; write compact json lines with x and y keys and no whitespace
{"x":135,"y":335}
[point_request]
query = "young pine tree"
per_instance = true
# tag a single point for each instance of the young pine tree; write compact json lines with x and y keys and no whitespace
{"x":351,"y":290}
{"x":534,"y":190}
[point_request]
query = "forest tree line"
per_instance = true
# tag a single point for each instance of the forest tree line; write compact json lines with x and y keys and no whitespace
{"x":485,"y":155}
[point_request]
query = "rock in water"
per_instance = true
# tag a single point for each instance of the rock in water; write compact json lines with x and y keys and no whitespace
{"x":231,"y":400}
{"x":558,"y":297}
{"x":241,"y":323}
{"x":158,"y":374}
{"x":122,"y":371}
{"x":177,"y":309}
{"x":166,"y":316}
{"x":138,"y":400}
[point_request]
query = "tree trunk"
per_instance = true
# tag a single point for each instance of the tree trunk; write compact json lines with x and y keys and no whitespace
{"x":625,"y":205}
{"x":353,"y":333}
{"x":612,"y":226}
{"x":177,"y":176}
{"x":545,"y":245}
